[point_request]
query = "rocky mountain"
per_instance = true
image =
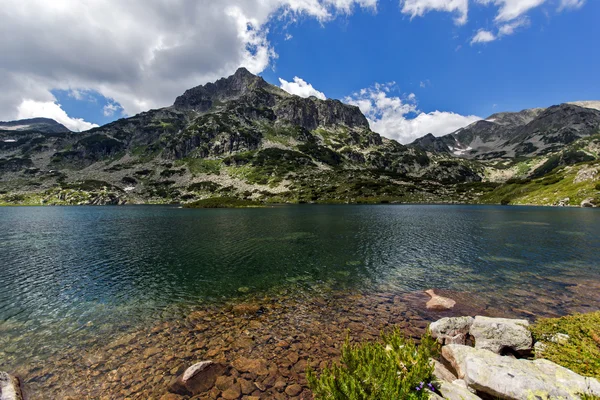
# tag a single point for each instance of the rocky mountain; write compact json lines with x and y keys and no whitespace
{"x":528,"y":133}
{"x":46,"y":125}
{"x":237,"y":137}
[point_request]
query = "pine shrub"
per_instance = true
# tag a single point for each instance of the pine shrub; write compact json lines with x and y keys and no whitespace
{"x":395,"y":368}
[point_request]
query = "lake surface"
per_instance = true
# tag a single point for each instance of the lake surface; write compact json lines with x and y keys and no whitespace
{"x":71,"y":272}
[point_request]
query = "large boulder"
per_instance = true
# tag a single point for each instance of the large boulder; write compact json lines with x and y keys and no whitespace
{"x":502,"y":335}
{"x":198,"y":378}
{"x":451,"y":330}
{"x":517,"y":379}
{"x":10,"y":388}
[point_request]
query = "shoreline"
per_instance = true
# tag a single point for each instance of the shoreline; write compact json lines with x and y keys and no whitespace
{"x":267,"y":341}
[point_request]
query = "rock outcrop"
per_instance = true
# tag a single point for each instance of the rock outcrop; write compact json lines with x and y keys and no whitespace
{"x":501,"y":335}
{"x":517,"y":379}
{"x":494,"y":367}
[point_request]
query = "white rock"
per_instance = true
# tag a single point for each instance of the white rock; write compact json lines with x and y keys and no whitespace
{"x":498,"y":334}
{"x":441,"y":372}
{"x":9,"y":387}
{"x":560,"y":338}
{"x":453,"y":391}
{"x":590,"y":202}
{"x":451,"y":330}
{"x":513,"y":379}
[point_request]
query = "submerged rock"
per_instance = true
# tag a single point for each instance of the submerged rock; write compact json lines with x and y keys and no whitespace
{"x":10,"y":388}
{"x":509,"y":378}
{"x":439,"y":302}
{"x":451,"y":330}
{"x":198,"y":378}
{"x":501,"y":335}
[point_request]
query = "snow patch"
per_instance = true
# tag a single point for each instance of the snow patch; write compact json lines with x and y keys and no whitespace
{"x":129,"y":188}
{"x":460,"y":152}
{"x":9,"y":140}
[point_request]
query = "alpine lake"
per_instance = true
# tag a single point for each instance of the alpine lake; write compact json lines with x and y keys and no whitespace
{"x":114,"y":302}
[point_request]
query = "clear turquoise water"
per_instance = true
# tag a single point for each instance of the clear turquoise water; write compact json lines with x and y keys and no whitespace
{"x":68,"y":270}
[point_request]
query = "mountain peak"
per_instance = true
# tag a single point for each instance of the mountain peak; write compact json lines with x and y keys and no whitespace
{"x":201,"y":98}
{"x":242,"y":71}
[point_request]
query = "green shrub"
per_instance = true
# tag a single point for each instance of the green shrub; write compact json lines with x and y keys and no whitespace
{"x":597,"y":186}
{"x":394,"y":369}
{"x":581,"y":352}
{"x":505,"y":201}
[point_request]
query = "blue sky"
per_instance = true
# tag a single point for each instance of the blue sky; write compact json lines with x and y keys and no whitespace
{"x":418,"y":62}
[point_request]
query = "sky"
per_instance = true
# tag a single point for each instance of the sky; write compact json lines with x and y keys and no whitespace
{"x":412,"y":66}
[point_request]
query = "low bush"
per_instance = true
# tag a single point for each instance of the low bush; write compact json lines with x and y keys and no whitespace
{"x":395,"y":368}
{"x":581,"y":352}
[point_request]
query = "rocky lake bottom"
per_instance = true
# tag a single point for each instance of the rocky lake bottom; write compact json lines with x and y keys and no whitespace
{"x":267,"y":342}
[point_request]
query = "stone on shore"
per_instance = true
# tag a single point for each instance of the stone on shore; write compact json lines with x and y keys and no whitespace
{"x":589,"y":202}
{"x":198,"y":378}
{"x":514,"y":379}
{"x":441,"y":372}
{"x":439,"y":303}
{"x":454,"y":391}
{"x":451,"y":330}
{"x":501,"y":334}
{"x":10,"y":388}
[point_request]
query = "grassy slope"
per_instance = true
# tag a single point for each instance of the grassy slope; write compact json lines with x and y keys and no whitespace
{"x":549,"y":190}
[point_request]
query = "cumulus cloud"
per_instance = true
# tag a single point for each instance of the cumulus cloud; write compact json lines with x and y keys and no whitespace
{"x":400,"y":119}
{"x":301,"y":88}
{"x":50,"y":109}
{"x":483,"y":36}
{"x":418,"y":8}
{"x":141,"y":53}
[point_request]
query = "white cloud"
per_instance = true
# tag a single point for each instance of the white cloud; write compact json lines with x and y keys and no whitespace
{"x":418,"y":8}
{"x":401,"y":120}
{"x":301,"y":88}
{"x":110,"y":109}
{"x":483,"y":36}
{"x":572,"y":4}
{"x":50,"y":109}
{"x":148,"y":55}
{"x":511,"y":27}
{"x":512,"y":9}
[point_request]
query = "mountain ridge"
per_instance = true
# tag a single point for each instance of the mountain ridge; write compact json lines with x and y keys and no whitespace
{"x":241,"y":137}
{"x":525,"y":133}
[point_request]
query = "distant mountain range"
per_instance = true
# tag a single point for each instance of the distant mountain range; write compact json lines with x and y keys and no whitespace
{"x":241,"y":137}
{"x":528,"y":133}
